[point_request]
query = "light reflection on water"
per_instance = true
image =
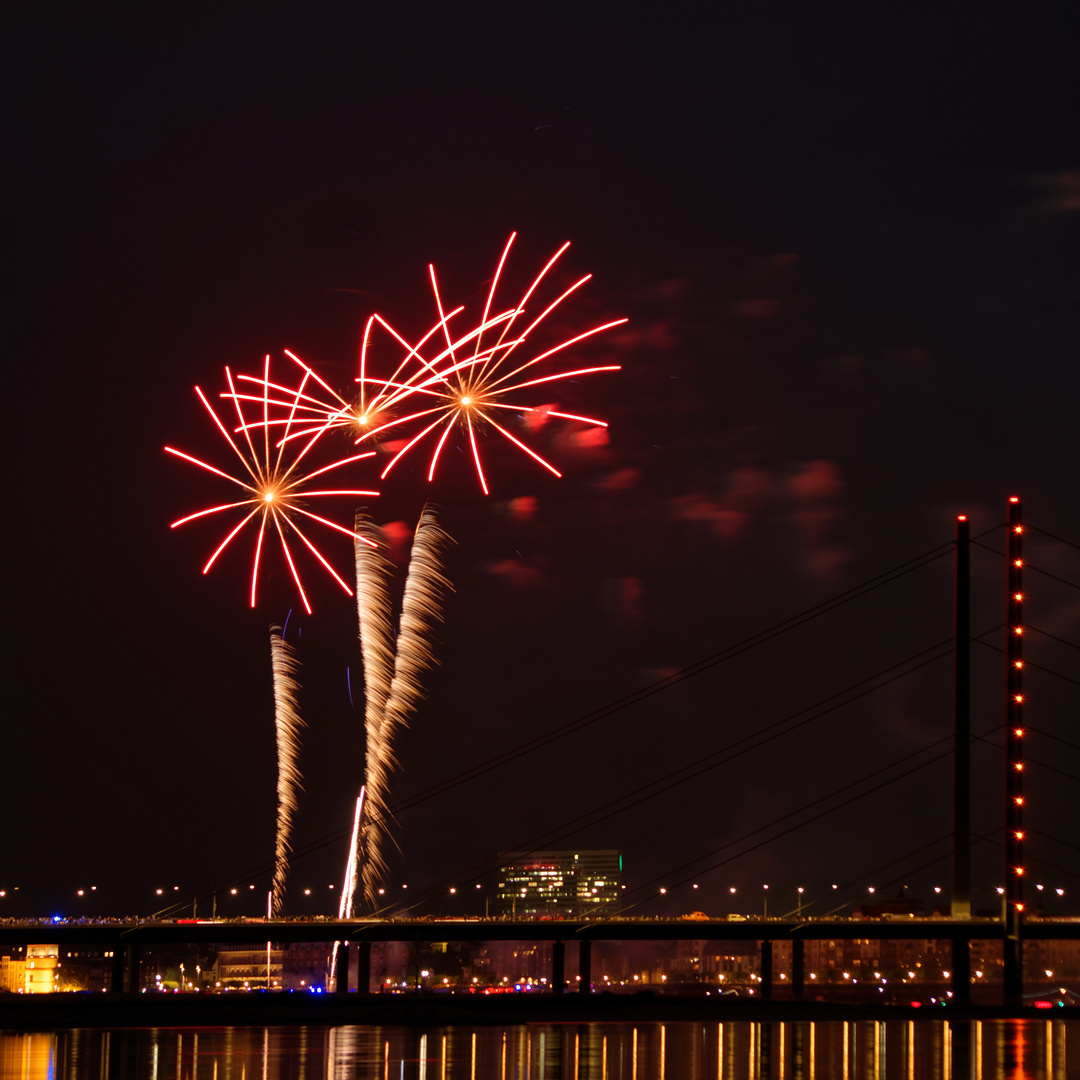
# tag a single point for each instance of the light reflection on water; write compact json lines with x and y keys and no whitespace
{"x":863,"y":1050}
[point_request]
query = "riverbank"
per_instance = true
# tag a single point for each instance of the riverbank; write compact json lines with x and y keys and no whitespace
{"x":51,"y":1011}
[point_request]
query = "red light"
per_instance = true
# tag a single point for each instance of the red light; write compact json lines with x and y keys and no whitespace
{"x":1014,"y":498}
{"x":1018,"y":596}
{"x":1018,"y":663}
{"x":1018,"y":629}
{"x":962,"y":517}
{"x":1018,"y":732}
{"x":1019,"y":800}
{"x":916,"y":1004}
{"x":1018,"y":562}
{"x":1044,"y":1004}
{"x":1019,"y":528}
{"x":1018,"y":698}
{"x":1019,"y":835}
{"x":1019,"y":766}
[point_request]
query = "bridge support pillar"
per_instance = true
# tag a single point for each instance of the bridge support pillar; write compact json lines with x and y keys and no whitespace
{"x":585,"y":966}
{"x":766,"y":970}
{"x":341,"y":971}
{"x":363,"y":967}
{"x":133,"y":964}
{"x":961,"y":971}
{"x":798,"y":967}
{"x":116,"y":978}
{"x":1013,"y":974}
{"x":558,"y":967}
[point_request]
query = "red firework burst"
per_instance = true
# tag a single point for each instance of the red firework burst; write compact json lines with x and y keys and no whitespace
{"x":462,"y":382}
{"x":275,"y":486}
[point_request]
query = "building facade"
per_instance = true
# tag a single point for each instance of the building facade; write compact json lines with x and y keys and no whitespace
{"x":32,"y":970}
{"x":558,"y":884}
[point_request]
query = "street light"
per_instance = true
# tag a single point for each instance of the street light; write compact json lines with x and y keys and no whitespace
{"x":800,"y":891}
{"x":765,"y":901}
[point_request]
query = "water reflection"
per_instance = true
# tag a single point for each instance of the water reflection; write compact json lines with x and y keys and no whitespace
{"x":895,"y":1050}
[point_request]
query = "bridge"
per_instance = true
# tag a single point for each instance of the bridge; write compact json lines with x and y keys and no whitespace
{"x":128,"y":938}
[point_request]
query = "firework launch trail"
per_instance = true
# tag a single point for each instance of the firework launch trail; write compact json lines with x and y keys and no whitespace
{"x":287,"y":724}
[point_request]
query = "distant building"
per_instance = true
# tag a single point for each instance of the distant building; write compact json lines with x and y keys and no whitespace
{"x":86,"y":967}
{"x":303,"y":965}
{"x":247,"y":967}
{"x":33,"y":971}
{"x":558,"y":884}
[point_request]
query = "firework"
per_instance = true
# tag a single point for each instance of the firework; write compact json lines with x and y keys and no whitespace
{"x":468,"y":382}
{"x":348,"y":891}
{"x":274,"y":482}
{"x":373,"y":609}
{"x":392,"y":675}
{"x":287,"y":723}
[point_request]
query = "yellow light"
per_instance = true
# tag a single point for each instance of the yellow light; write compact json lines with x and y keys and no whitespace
{"x":1019,"y":907}
{"x":1019,"y":800}
{"x":1018,"y":596}
{"x":1018,"y":562}
{"x":1019,"y":871}
{"x":269,"y":496}
{"x":1018,"y":663}
{"x":1019,"y":766}
{"x":1019,"y":836}
{"x":1018,"y":630}
{"x":466,"y":400}
{"x":1018,"y":528}
{"x":1018,"y":732}
{"x":1018,"y":698}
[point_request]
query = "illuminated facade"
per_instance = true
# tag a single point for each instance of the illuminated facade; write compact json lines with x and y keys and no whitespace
{"x":302,"y":965}
{"x":558,"y":884}
{"x":243,"y":967}
{"x":31,"y":972}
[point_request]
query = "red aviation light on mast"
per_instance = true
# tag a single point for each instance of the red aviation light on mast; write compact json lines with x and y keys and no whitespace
{"x":1013,"y":900}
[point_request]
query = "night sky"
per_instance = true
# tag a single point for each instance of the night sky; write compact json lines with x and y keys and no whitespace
{"x":846,"y":243}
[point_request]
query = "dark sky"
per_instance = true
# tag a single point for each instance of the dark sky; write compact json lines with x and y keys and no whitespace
{"x":846,"y":243}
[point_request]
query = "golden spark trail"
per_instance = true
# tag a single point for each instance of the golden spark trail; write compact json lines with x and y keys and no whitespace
{"x":287,"y":723}
{"x":373,"y":610}
{"x":393,"y":675}
{"x":421,"y":612}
